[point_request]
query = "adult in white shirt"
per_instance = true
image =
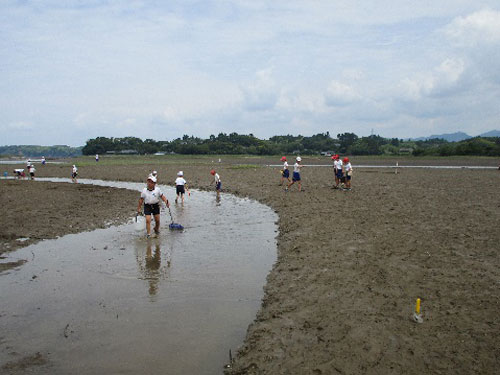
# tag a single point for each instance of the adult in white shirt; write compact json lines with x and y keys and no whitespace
{"x":180,"y":186}
{"x":151,"y":196}
{"x":285,"y":173}
{"x":296,"y":174}
{"x":74,"y":173}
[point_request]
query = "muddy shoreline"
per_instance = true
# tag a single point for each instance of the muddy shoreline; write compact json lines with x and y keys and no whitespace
{"x":351,"y":264}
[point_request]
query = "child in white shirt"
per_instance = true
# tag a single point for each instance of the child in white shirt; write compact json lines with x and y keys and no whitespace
{"x":285,"y":173}
{"x":181,"y":186}
{"x":296,"y":174}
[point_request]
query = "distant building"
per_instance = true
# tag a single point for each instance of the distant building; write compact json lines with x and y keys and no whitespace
{"x":327,"y":153}
{"x":405,"y":150}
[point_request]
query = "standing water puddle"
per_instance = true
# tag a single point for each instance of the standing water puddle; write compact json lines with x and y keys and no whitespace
{"x":113,"y":302}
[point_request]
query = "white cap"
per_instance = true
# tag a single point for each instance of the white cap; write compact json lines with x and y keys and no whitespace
{"x":180,"y":173}
{"x":299,"y":158}
{"x":152,"y":178}
{"x":154,"y":173}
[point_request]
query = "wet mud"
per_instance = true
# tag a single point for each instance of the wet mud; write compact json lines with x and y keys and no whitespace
{"x":350,"y":266}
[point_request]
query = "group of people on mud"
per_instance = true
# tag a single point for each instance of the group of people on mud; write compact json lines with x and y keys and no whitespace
{"x":342,"y":170}
{"x":149,"y":201}
{"x":19,"y":172}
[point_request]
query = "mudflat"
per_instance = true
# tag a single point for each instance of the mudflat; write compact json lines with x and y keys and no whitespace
{"x":350,"y":265}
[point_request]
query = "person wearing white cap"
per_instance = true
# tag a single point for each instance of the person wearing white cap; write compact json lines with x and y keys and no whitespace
{"x":151,"y":196}
{"x":74,"y":173}
{"x":296,"y":174}
{"x":181,"y":186}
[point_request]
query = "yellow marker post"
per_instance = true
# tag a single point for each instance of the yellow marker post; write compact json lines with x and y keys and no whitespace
{"x":417,"y":317}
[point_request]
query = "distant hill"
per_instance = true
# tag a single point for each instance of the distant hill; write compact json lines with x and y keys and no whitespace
{"x":57,"y":151}
{"x":458,"y":136}
{"x":493,"y":133}
{"x":451,"y":137}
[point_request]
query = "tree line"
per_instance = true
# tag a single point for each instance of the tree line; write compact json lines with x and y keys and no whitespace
{"x":345,"y":143}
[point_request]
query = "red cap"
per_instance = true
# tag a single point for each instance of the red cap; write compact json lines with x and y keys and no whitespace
{"x":333,"y":157}
{"x":346,"y":160}
{"x":212,"y":172}
{"x":283,"y":158}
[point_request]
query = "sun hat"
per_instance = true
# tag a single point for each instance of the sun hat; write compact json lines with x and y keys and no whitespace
{"x":180,"y":173}
{"x":346,"y":160}
{"x":212,"y":172}
{"x":154,"y":173}
{"x":152,"y":178}
{"x":283,"y":158}
{"x":299,"y":158}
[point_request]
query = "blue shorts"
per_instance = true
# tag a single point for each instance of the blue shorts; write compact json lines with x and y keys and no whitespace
{"x":339,"y":173}
{"x":348,"y":178}
{"x":218,"y":186}
{"x":296,"y":176}
{"x":286,"y":173}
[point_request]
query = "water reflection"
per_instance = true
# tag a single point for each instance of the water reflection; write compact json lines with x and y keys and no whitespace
{"x":149,"y":260}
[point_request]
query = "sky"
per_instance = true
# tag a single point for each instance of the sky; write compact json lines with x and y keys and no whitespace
{"x":79,"y":69}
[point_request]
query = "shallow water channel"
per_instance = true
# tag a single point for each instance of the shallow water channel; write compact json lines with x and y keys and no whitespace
{"x":111,"y":301}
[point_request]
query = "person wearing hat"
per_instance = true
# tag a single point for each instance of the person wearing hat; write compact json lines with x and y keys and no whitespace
{"x":285,"y":173}
{"x":217,"y":181}
{"x":347,"y":173}
{"x":32,"y":171}
{"x":74,"y":173}
{"x":180,"y":186}
{"x":151,"y":196}
{"x":296,"y":174}
{"x":337,"y":168}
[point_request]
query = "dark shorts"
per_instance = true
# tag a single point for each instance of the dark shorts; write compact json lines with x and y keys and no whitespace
{"x":73,"y":175}
{"x":296,"y":176}
{"x":348,"y":178}
{"x":32,"y":174}
{"x":151,"y":209}
{"x":286,"y":173}
{"x":339,"y":173}
{"x":180,"y":189}
{"x":218,"y":186}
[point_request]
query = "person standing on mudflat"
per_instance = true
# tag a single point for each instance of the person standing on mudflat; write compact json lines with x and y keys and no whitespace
{"x":285,"y":173}
{"x":151,"y":196}
{"x":296,"y":174}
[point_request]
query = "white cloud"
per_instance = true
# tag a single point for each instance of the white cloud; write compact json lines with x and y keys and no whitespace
{"x":482,"y":27}
{"x":260,"y":94}
{"x":340,"y":94}
{"x":442,"y":80}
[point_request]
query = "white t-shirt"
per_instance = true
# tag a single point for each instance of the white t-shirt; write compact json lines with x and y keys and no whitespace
{"x":180,"y":181}
{"x":337,"y":164}
{"x":347,"y":167}
{"x":151,"y":196}
{"x":32,"y":169}
{"x":217,"y":178}
{"x":75,"y":169}
{"x":285,"y":165}
{"x":296,"y":167}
